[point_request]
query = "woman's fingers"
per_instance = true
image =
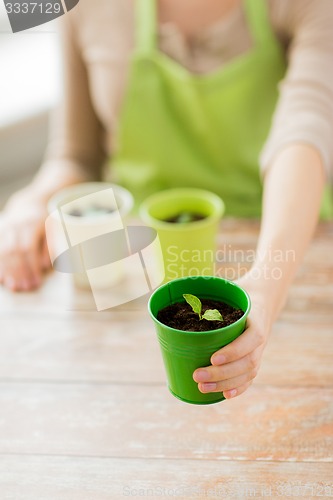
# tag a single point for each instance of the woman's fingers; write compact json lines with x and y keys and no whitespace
{"x":235,"y":365}
{"x":229,"y":384}
{"x":30,"y":248}
{"x":236,"y":392}
{"x":239,"y":357}
{"x":21,"y":252}
{"x":228,"y":371}
{"x":245,"y":344}
{"x":46,"y":261}
{"x":15,"y":272}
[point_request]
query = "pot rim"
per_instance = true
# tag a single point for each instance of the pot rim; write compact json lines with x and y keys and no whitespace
{"x":168,"y":195}
{"x":187,"y":332}
{"x":123,"y":197}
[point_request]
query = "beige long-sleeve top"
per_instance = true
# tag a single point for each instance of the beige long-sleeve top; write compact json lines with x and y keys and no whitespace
{"x":98,"y":40}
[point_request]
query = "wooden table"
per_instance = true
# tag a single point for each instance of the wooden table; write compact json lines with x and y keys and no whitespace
{"x":85,"y":412}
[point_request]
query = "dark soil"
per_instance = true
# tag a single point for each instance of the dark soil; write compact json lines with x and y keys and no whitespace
{"x":91,"y":211}
{"x":181,"y":316}
{"x":185,"y":217}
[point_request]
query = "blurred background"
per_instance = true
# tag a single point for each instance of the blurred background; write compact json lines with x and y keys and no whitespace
{"x":29,"y":89}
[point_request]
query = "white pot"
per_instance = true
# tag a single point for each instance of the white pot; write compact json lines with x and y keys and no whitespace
{"x":65,"y":230}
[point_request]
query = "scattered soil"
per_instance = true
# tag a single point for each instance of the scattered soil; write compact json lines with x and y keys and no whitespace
{"x":91,"y":211}
{"x":185,"y":217}
{"x":182,"y":317}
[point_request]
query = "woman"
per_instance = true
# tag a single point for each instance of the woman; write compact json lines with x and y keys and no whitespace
{"x":183,"y":93}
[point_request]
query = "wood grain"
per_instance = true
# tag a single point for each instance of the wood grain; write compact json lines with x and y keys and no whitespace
{"x":98,"y":347}
{"x":81,"y":478}
{"x":134,"y":421}
{"x":85,"y":412}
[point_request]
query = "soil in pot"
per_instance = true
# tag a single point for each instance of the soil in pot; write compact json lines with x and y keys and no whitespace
{"x":185,"y":217}
{"x":90,"y":211}
{"x":181,"y":316}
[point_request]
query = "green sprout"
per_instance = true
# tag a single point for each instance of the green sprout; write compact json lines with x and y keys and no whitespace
{"x":195,"y":303}
{"x":185,"y":217}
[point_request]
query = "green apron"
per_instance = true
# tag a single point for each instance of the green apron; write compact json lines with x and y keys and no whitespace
{"x":178,"y":129}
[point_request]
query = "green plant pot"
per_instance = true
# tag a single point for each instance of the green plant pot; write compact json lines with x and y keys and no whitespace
{"x":183,"y":352}
{"x":188,"y":248}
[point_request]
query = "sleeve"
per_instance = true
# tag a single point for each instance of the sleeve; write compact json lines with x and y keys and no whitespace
{"x":76,"y":139}
{"x":304,"y":113}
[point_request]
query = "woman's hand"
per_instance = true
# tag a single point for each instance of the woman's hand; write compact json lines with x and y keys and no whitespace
{"x":296,"y":174}
{"x":23,"y":250}
{"x":235,"y":366}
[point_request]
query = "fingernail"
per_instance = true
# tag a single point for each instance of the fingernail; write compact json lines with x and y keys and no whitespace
{"x":232,"y":393}
{"x":10,"y":283}
{"x":25,"y":285}
{"x":209,"y":387}
{"x":46,"y":262}
{"x":36,"y":282}
{"x":201,"y":376}
{"x":219,"y":359}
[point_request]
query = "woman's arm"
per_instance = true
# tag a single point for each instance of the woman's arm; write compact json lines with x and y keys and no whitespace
{"x":75,"y":154}
{"x":292,"y":194}
{"x":298,"y":150}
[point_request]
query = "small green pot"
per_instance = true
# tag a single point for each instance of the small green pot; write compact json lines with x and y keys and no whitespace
{"x":188,"y":248}
{"x":183,"y":352}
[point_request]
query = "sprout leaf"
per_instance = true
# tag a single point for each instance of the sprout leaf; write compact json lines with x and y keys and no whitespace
{"x":194,"y":302}
{"x":212,"y":315}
